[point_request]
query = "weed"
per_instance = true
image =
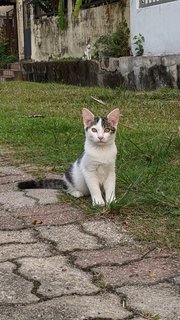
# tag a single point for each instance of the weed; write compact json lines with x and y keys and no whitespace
{"x":5,"y":57}
{"x":115,"y":45}
{"x":139,"y":44}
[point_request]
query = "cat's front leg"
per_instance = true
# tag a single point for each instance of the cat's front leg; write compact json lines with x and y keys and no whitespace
{"x":94,"y":188}
{"x":109,"y":187}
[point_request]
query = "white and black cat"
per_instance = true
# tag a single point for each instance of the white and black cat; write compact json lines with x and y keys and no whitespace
{"x":94,"y":171}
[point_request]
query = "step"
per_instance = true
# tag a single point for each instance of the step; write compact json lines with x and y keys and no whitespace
{"x":6,"y":78}
{"x":13,"y":72}
{"x":8,"y":72}
{"x":2,"y":78}
{"x":15,"y":66}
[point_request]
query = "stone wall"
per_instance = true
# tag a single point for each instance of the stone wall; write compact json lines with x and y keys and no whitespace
{"x":134,"y":73}
{"x":48,"y":42}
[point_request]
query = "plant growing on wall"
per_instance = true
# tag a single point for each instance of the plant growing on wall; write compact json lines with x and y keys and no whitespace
{"x":5,"y":57}
{"x":77,"y":6}
{"x":115,"y":45}
{"x":139,"y":43}
{"x":123,"y":4}
{"x":45,"y":5}
{"x":61,"y":17}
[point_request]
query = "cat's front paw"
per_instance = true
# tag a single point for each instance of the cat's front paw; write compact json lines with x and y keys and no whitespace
{"x":98,"y":202}
{"x":110,"y":201}
{"x":76,"y":194}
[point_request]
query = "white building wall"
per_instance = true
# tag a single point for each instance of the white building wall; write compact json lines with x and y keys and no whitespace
{"x":159,"y":24}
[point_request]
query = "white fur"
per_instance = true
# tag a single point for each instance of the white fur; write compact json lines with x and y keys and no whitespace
{"x":96,"y":170}
{"x":87,"y":53}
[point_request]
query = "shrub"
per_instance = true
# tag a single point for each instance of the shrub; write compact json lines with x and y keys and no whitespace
{"x":5,"y":58}
{"x":115,"y":45}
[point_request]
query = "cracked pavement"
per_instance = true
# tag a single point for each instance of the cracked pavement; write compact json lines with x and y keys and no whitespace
{"x":56,"y":263}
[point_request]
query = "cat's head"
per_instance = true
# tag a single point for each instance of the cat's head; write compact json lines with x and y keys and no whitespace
{"x":100,"y":130}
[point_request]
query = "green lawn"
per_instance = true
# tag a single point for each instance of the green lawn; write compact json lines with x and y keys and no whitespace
{"x":148,"y":141}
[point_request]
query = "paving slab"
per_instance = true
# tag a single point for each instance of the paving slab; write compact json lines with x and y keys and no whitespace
{"x":15,"y":199}
{"x":56,"y":214}
{"x":9,"y":222}
{"x":69,"y":237}
{"x":104,"y":306}
{"x":22,"y":236}
{"x":161,"y":300}
{"x":14,"y":289}
{"x":8,"y":186}
{"x":108,"y":231}
{"x":107,"y":256}
{"x":43,"y":196}
{"x":145,"y":271}
{"x":14,"y":251}
{"x":56,"y":276}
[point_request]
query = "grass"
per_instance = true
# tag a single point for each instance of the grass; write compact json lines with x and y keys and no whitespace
{"x":148,"y":141}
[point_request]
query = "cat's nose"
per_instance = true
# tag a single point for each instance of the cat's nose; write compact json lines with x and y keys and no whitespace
{"x":100,"y":138}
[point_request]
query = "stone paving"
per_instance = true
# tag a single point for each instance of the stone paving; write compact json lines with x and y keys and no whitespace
{"x":58,"y":264}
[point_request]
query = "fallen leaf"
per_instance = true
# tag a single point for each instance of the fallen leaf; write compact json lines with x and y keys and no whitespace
{"x":36,"y":222}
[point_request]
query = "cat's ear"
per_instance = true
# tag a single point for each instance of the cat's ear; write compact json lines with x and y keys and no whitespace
{"x":88,"y":117}
{"x":113,"y":117}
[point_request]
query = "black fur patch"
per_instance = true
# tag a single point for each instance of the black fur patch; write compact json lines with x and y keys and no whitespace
{"x":80,"y":158}
{"x":94,"y":122}
{"x":105,"y":123}
{"x":43,"y":184}
{"x":68,"y":174}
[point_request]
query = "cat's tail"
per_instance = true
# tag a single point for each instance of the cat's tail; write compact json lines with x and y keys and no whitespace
{"x":43,"y":184}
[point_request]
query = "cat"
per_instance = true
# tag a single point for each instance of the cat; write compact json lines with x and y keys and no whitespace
{"x":93,"y":173}
{"x":87,"y":53}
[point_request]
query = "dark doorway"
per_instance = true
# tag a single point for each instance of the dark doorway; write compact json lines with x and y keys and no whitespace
{"x":9,"y":29}
{"x":27,"y":31}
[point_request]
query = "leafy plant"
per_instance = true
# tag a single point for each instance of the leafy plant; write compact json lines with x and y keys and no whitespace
{"x":139,"y":42}
{"x":77,"y":7}
{"x":5,"y":57}
{"x":61,"y":18}
{"x":90,"y":3}
{"x":44,"y":5}
{"x":115,"y":45}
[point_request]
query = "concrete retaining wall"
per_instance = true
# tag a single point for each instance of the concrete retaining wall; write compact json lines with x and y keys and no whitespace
{"x":134,"y":73}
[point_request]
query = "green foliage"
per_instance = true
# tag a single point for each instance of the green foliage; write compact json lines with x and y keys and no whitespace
{"x":45,"y":5}
{"x":139,"y":42}
{"x":5,"y":57}
{"x":115,"y":45}
{"x":61,"y":17}
{"x":77,"y":7}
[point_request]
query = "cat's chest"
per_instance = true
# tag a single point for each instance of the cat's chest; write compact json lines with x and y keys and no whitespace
{"x":102,"y":171}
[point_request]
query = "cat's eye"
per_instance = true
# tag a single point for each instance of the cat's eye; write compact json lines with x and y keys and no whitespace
{"x":107,"y":129}
{"x":94,"y":129}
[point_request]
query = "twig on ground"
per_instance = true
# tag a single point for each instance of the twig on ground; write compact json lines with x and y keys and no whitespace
{"x":149,"y":251}
{"x":98,"y":100}
{"x":33,"y":116}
